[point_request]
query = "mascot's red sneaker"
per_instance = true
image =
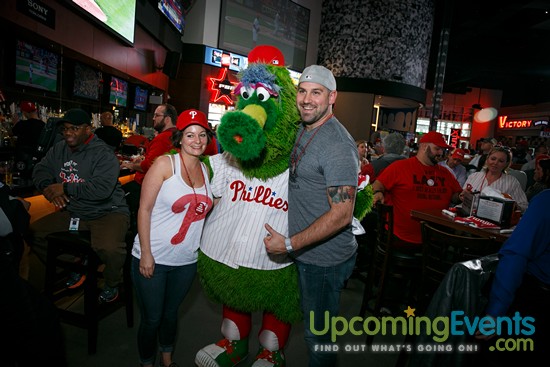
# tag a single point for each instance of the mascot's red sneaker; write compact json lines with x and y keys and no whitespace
{"x":267,"y":358}
{"x":225,"y":353}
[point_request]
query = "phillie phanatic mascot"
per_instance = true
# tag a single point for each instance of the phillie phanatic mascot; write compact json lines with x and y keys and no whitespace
{"x":250,"y":182}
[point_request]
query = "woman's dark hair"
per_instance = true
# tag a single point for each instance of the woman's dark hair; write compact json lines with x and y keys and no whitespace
{"x":178,"y":134}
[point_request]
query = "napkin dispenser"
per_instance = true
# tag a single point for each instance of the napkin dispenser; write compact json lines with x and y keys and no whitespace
{"x":495,"y":209}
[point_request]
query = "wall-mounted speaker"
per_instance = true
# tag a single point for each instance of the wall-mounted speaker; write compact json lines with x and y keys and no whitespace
{"x":171,"y":64}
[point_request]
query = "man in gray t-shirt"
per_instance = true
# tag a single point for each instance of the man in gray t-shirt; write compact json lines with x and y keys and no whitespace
{"x":323,"y":178}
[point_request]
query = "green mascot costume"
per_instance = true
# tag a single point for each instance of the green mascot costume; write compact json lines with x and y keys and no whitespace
{"x":250,"y":180}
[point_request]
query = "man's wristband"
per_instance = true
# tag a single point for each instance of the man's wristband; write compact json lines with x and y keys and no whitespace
{"x":65,"y":189}
{"x":288,"y":245}
{"x":377,"y":191}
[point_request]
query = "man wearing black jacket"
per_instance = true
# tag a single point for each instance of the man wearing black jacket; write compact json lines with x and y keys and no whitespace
{"x":79,"y":175}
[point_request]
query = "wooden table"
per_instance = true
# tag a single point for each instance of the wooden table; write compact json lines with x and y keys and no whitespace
{"x":436,"y":216}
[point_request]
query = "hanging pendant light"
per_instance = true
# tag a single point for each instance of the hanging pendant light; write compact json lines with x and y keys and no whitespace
{"x":482,"y":114}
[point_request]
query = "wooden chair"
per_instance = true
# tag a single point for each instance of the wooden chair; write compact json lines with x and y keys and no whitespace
{"x":63,"y":247}
{"x":441,"y":250}
{"x":388,"y":264}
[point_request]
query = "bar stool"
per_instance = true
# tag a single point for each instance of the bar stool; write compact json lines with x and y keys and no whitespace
{"x":388,"y":263}
{"x":63,"y":247}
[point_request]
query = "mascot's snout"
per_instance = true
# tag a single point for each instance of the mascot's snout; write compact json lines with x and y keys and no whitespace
{"x":241,"y":132}
{"x":257,"y":113}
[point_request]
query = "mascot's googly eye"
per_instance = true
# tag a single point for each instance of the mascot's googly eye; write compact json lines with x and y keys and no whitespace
{"x":263,"y":94}
{"x":247,"y":92}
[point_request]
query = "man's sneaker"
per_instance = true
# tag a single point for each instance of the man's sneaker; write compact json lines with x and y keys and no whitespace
{"x":108,"y":294}
{"x":75,"y":280}
{"x":225,"y":353}
{"x":267,"y":358}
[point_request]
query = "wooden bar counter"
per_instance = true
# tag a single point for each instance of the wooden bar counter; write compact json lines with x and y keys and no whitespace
{"x":41,"y":207}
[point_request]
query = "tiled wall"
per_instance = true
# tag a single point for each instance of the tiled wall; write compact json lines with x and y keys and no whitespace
{"x":377,"y":39}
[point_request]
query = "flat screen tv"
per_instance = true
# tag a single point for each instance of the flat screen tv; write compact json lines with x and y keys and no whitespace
{"x":283,"y":24}
{"x":86,"y":82}
{"x":140,"y":99}
{"x":173,"y":10}
{"x":36,"y":67}
{"x":117,"y":16}
{"x":118,"y":92}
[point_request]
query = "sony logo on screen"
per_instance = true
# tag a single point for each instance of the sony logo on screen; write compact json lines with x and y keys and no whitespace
{"x":34,"y":5}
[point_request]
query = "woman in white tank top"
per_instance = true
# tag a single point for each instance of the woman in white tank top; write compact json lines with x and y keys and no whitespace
{"x":175,"y":199}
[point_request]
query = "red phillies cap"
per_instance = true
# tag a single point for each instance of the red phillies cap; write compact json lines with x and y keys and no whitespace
{"x":435,"y":138}
{"x":458,"y":154}
{"x":27,"y":106}
{"x":192,"y":117}
{"x":266,"y":54}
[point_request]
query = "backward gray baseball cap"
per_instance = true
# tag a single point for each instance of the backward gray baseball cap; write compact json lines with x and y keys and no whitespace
{"x":320,"y":75}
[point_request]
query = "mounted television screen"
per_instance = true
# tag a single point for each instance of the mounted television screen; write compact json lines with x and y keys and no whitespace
{"x":35,"y":67}
{"x":140,"y":100}
{"x":118,"y":94}
{"x":86,"y":82}
{"x":173,"y":10}
{"x":117,"y":16}
{"x":283,"y":24}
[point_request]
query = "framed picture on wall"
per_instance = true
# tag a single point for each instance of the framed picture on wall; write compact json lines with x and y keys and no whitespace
{"x":280,"y":23}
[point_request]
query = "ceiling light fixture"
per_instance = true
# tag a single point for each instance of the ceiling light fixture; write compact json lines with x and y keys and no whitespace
{"x":483,"y":114}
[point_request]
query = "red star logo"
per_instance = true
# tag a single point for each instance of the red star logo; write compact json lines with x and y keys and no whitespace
{"x":222,"y":87}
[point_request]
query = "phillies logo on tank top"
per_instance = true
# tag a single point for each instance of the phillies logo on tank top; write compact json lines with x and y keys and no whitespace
{"x":195,"y":210}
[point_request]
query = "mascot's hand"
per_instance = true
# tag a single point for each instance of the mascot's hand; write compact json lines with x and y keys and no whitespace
{"x":274,"y":241}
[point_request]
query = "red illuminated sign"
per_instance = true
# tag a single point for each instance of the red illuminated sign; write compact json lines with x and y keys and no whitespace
{"x":221,"y":88}
{"x":503,"y":123}
{"x":455,"y":137}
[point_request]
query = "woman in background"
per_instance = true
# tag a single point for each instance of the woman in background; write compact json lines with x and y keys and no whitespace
{"x":494,"y":174}
{"x":363,"y":151}
{"x":541,"y":176}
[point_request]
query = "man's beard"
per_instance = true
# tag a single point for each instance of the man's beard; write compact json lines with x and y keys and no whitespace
{"x":314,"y":118}
{"x":160,"y":127}
{"x":432,"y":157}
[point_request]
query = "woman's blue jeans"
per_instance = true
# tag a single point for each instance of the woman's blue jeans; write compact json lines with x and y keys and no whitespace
{"x":159,"y":299}
{"x":320,"y":289}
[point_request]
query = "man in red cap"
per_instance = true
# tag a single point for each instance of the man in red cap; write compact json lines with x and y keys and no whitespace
{"x":417,"y":183}
{"x":454,"y":164}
